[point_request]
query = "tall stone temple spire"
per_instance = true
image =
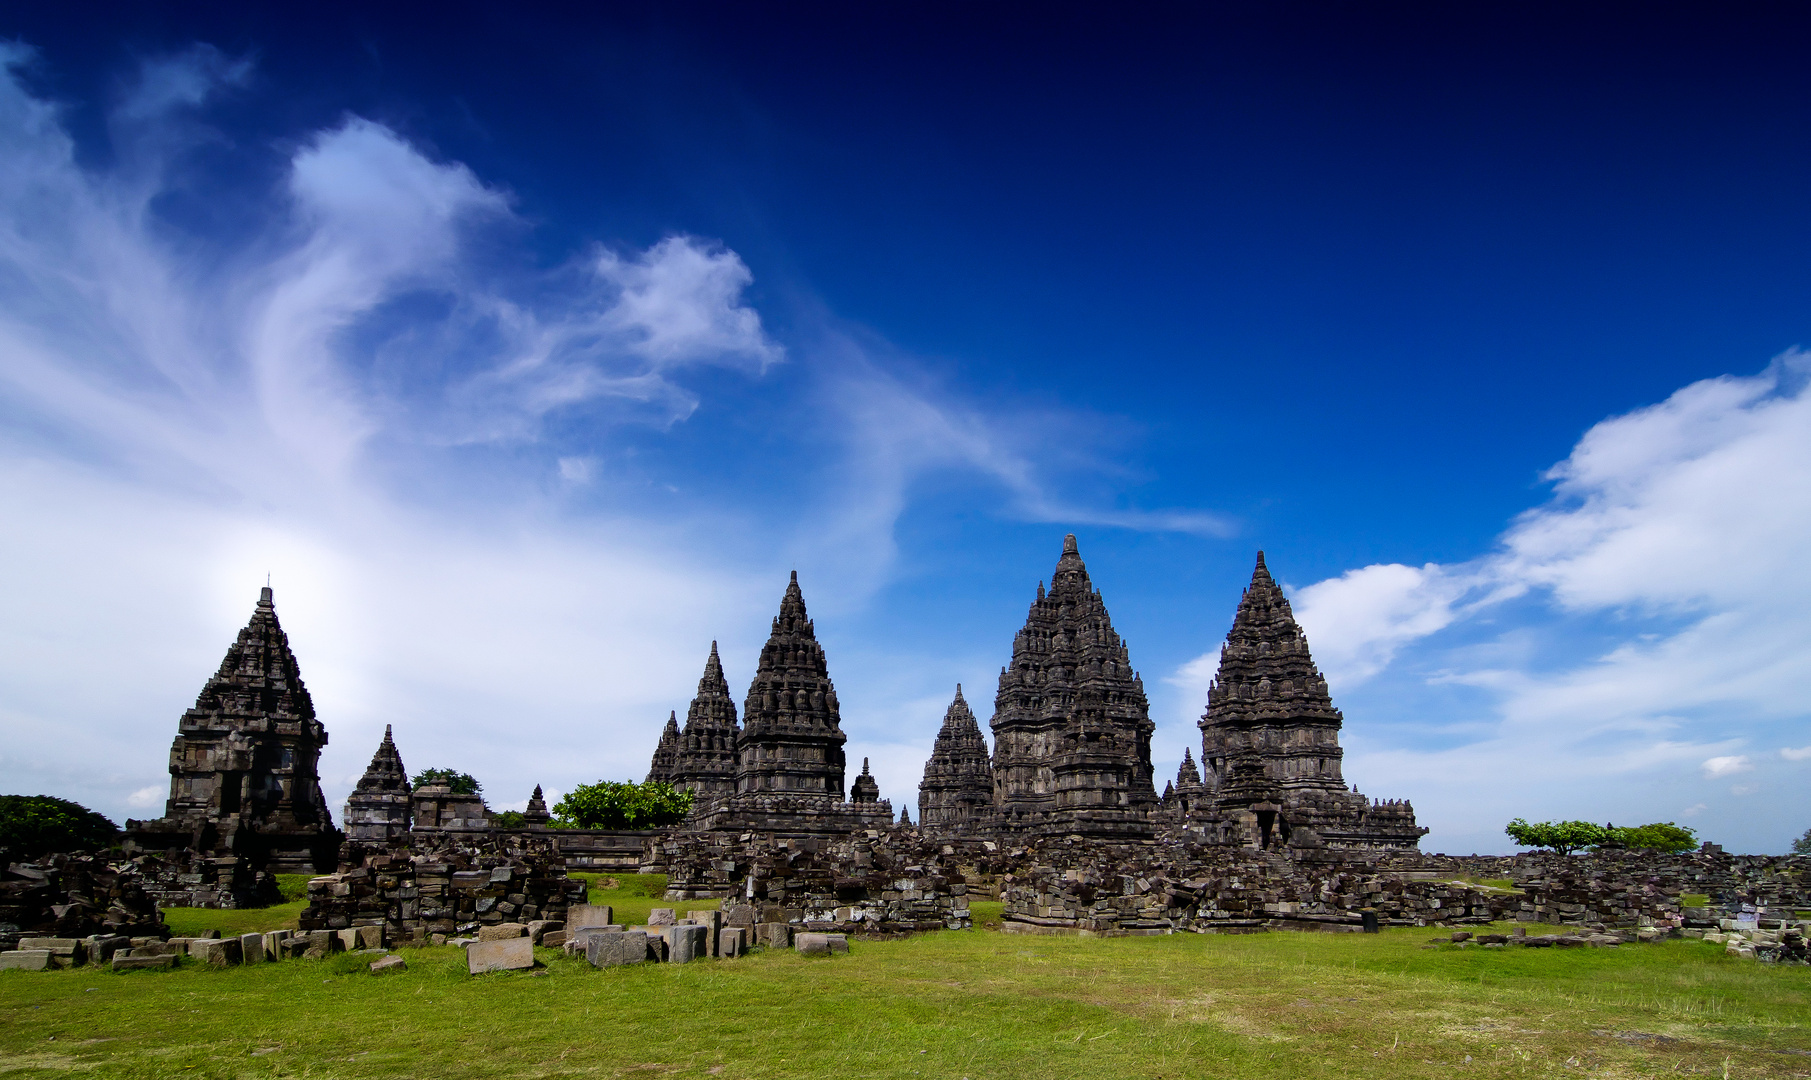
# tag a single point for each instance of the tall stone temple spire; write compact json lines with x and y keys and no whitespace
{"x":665,"y":765}
{"x":1072,"y":728}
{"x":706,"y":754}
{"x":958,"y":787}
{"x":1269,"y":700}
{"x":378,"y":808}
{"x":792,"y":736}
{"x":243,"y":766}
{"x":1270,"y":738}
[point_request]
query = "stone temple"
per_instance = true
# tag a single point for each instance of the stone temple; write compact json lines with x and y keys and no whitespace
{"x":1270,"y":739}
{"x":957,"y":794}
{"x":1072,"y":729}
{"x":788,"y":753}
{"x":243,"y":767}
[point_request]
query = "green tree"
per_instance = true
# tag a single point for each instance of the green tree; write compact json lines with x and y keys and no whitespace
{"x":1656,"y":836}
{"x":461,"y":783}
{"x":1564,"y":837}
{"x":628,"y":805}
{"x":33,"y":825}
{"x":1802,"y":846}
{"x":508,"y":819}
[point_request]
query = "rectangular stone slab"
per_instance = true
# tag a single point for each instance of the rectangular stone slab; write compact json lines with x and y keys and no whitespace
{"x":25,"y":960}
{"x":687,"y":942}
{"x":609,"y":948}
{"x":504,"y":954}
{"x":579,"y":916}
{"x":251,"y":949}
{"x":141,"y":963}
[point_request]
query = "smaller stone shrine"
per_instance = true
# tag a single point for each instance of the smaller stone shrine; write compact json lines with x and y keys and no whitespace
{"x":380,"y":807}
{"x":957,"y":792}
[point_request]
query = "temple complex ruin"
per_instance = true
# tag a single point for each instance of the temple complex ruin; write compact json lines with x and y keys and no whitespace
{"x":958,"y":790}
{"x":243,"y":767}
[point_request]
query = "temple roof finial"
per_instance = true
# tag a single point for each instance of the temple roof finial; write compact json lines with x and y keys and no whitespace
{"x":1069,"y":544}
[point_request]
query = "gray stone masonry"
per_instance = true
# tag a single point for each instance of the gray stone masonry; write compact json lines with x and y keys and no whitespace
{"x":687,"y":942}
{"x":244,"y":780}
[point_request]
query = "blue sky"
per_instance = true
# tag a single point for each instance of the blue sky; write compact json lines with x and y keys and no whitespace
{"x":527,"y":355}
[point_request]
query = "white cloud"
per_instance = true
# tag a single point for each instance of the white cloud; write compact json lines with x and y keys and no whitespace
{"x":1727,"y":765}
{"x":1800,"y":753}
{"x":153,"y":797}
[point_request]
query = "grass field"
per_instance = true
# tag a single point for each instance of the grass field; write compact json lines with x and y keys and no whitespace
{"x":956,"y":1004}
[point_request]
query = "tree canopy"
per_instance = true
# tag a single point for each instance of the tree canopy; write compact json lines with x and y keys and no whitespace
{"x":1802,"y":846}
{"x":33,"y":825}
{"x":461,"y":783}
{"x":627,"y":805}
{"x":1566,"y":837}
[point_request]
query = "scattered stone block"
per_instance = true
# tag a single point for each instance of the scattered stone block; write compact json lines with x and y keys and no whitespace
{"x":687,"y":942}
{"x":732,"y":941}
{"x":742,"y":915}
{"x":661,"y":916}
{"x":579,"y":916}
{"x":64,"y":952}
{"x":609,"y":948}
{"x":538,"y":929}
{"x":102,"y":947}
{"x":502,"y":931}
{"x":348,"y":940}
{"x":812,"y":944}
{"x":774,"y":935}
{"x":390,"y":963}
{"x":129,"y":962}
{"x":500,"y":954}
{"x":712,"y":921}
{"x":319,"y":944}
{"x":216,"y":952}
{"x":251,"y":948}
{"x":552,"y":939}
{"x":370,"y":937}
{"x":25,"y":960}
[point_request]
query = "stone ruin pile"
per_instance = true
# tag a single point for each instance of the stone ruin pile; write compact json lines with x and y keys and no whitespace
{"x":456,"y":889}
{"x":668,"y":938}
{"x":875,"y":882}
{"x":75,"y":896}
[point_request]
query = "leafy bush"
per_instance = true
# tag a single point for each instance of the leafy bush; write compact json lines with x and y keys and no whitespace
{"x":33,"y":825}
{"x":461,"y":783}
{"x":509,"y":819}
{"x":627,"y":805}
{"x":1657,"y":836}
{"x":1564,"y":837}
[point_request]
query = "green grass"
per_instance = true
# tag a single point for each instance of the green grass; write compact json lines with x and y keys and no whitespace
{"x":975,"y":1005}
{"x":636,"y":895}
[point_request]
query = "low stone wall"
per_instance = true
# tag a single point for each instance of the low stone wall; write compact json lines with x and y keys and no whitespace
{"x":460,"y":888}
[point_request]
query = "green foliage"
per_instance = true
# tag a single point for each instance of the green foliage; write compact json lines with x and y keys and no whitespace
{"x":1657,"y":836}
{"x":509,"y":819}
{"x":627,"y":805}
{"x":1802,"y":846}
{"x":1564,"y":837}
{"x":461,"y":783}
{"x":33,"y":825}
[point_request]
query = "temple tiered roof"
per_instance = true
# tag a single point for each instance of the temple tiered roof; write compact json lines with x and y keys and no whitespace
{"x":1068,"y":653}
{"x":665,"y":765}
{"x":245,"y":758}
{"x":706,"y":752}
{"x":958,"y":781}
{"x":792,"y":737}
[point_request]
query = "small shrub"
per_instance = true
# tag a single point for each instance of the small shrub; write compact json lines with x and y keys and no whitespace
{"x":627,"y":805}
{"x":461,"y":783}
